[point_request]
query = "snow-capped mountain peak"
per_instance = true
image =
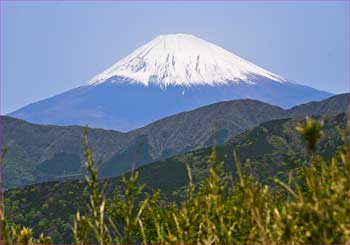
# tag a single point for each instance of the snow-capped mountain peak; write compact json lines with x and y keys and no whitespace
{"x":182,"y":59}
{"x":166,"y":71}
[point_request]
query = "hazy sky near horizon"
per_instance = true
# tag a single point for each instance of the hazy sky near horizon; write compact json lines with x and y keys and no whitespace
{"x":50,"y":47}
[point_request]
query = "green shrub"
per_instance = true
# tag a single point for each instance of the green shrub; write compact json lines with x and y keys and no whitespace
{"x":313,"y":207}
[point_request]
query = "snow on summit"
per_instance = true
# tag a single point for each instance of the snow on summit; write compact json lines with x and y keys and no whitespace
{"x":185,"y":60}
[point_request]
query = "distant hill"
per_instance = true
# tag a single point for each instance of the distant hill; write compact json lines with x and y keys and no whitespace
{"x":40,"y":153}
{"x":331,"y":106}
{"x":266,"y":151}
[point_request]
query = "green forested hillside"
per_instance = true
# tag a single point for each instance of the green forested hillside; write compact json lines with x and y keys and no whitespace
{"x":38,"y":153}
{"x":267,"y":151}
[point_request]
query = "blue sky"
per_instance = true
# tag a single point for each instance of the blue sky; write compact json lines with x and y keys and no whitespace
{"x":50,"y":47}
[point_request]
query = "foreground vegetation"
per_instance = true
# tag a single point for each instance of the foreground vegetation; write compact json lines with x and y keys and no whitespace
{"x":311,"y":207}
{"x":267,"y":152}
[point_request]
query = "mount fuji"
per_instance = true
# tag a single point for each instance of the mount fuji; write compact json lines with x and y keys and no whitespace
{"x":168,"y":75}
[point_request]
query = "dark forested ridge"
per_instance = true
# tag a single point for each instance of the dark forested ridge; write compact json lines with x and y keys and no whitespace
{"x":38,"y":153}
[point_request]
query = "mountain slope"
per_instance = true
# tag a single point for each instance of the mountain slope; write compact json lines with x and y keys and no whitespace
{"x":267,"y":151}
{"x":40,"y":153}
{"x":170,"y":74}
{"x":331,"y":106}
